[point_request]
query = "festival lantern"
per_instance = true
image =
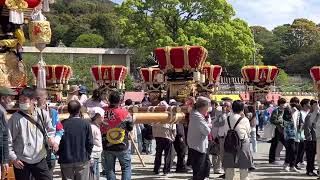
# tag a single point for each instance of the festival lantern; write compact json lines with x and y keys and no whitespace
{"x":111,"y":76}
{"x":315,"y":74}
{"x":40,"y":35}
{"x":184,"y":59}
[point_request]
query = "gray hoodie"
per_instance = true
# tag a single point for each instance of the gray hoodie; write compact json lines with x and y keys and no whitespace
{"x":26,"y":141}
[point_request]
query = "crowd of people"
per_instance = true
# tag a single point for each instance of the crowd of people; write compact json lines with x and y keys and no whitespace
{"x":34,"y":139}
{"x":296,"y":126}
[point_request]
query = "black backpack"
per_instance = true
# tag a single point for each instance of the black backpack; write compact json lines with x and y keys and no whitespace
{"x":232,"y":142}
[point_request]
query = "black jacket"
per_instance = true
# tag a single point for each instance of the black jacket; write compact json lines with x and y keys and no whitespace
{"x":4,"y":150}
{"x":77,"y":142}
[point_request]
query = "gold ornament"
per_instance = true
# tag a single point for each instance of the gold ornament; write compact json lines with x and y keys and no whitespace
{"x":20,"y":36}
{"x":10,"y":43}
{"x":17,"y":5}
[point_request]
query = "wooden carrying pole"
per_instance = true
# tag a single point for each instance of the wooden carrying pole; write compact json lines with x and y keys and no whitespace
{"x":136,"y":109}
{"x":136,"y":148}
{"x":148,"y":118}
{"x":158,"y":118}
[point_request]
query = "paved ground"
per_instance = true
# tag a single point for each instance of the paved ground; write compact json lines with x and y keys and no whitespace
{"x":264,"y":170}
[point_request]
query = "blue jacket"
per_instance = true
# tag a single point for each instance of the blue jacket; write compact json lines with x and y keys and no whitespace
{"x":54,"y":115}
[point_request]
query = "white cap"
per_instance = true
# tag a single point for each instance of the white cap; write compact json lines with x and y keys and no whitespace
{"x":172,"y":101}
{"x":96,"y":110}
{"x":163,"y":103}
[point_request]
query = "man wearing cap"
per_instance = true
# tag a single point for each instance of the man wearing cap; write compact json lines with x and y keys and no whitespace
{"x":165,"y":135}
{"x":97,"y":115}
{"x":6,"y":99}
{"x":73,"y":93}
{"x":83,"y":94}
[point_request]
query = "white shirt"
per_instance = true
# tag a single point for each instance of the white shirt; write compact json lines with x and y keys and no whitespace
{"x":243,"y":128}
{"x":83,"y":98}
{"x":97,"y":142}
{"x":295,"y":117}
{"x":90,"y":103}
{"x":304,"y":114}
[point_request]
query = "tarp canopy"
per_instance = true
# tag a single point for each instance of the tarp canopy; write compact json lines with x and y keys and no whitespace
{"x":134,"y":96}
{"x":219,"y":97}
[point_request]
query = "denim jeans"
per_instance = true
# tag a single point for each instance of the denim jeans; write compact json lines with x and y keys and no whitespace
{"x":139,"y":141}
{"x":124,"y":158}
{"x":94,"y":170}
{"x":253,"y":140}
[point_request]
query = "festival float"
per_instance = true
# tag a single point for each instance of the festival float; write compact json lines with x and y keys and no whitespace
{"x":106,"y":78}
{"x":153,"y":83}
{"x":315,"y":74}
{"x":181,"y":73}
{"x":258,"y":81}
{"x":57,"y":79}
{"x":109,"y":78}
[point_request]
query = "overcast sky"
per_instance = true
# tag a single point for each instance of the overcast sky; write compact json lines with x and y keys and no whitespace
{"x":271,"y":13}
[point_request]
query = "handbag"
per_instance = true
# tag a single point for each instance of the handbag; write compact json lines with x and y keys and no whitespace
{"x":213,"y":148}
{"x":269,"y":130}
{"x":44,"y":133}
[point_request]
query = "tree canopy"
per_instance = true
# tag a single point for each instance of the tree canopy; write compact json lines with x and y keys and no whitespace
{"x":293,"y":47}
{"x":148,"y":24}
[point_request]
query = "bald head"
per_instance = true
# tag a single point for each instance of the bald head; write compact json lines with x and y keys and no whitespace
{"x":74,"y":108}
{"x":42,"y":97}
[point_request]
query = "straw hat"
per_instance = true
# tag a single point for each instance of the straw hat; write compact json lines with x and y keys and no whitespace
{"x":73,"y":89}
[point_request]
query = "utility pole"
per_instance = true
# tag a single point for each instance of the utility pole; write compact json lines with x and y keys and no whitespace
{"x":255,"y":50}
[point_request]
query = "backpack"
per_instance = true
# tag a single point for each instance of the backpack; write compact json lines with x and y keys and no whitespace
{"x":232,"y":141}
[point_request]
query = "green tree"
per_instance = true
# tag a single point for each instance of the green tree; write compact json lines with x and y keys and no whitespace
{"x":267,"y":44}
{"x":283,"y":78}
{"x":72,"y":18}
{"x":304,"y":33}
{"x":89,"y":41}
{"x":146,"y":25}
{"x":105,"y":25}
{"x":129,"y":85}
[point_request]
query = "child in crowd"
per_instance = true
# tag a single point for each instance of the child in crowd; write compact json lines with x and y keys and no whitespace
{"x":97,"y":115}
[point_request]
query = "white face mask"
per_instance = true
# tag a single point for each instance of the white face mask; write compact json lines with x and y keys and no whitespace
{"x":24,"y":106}
{"x":11,"y":105}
